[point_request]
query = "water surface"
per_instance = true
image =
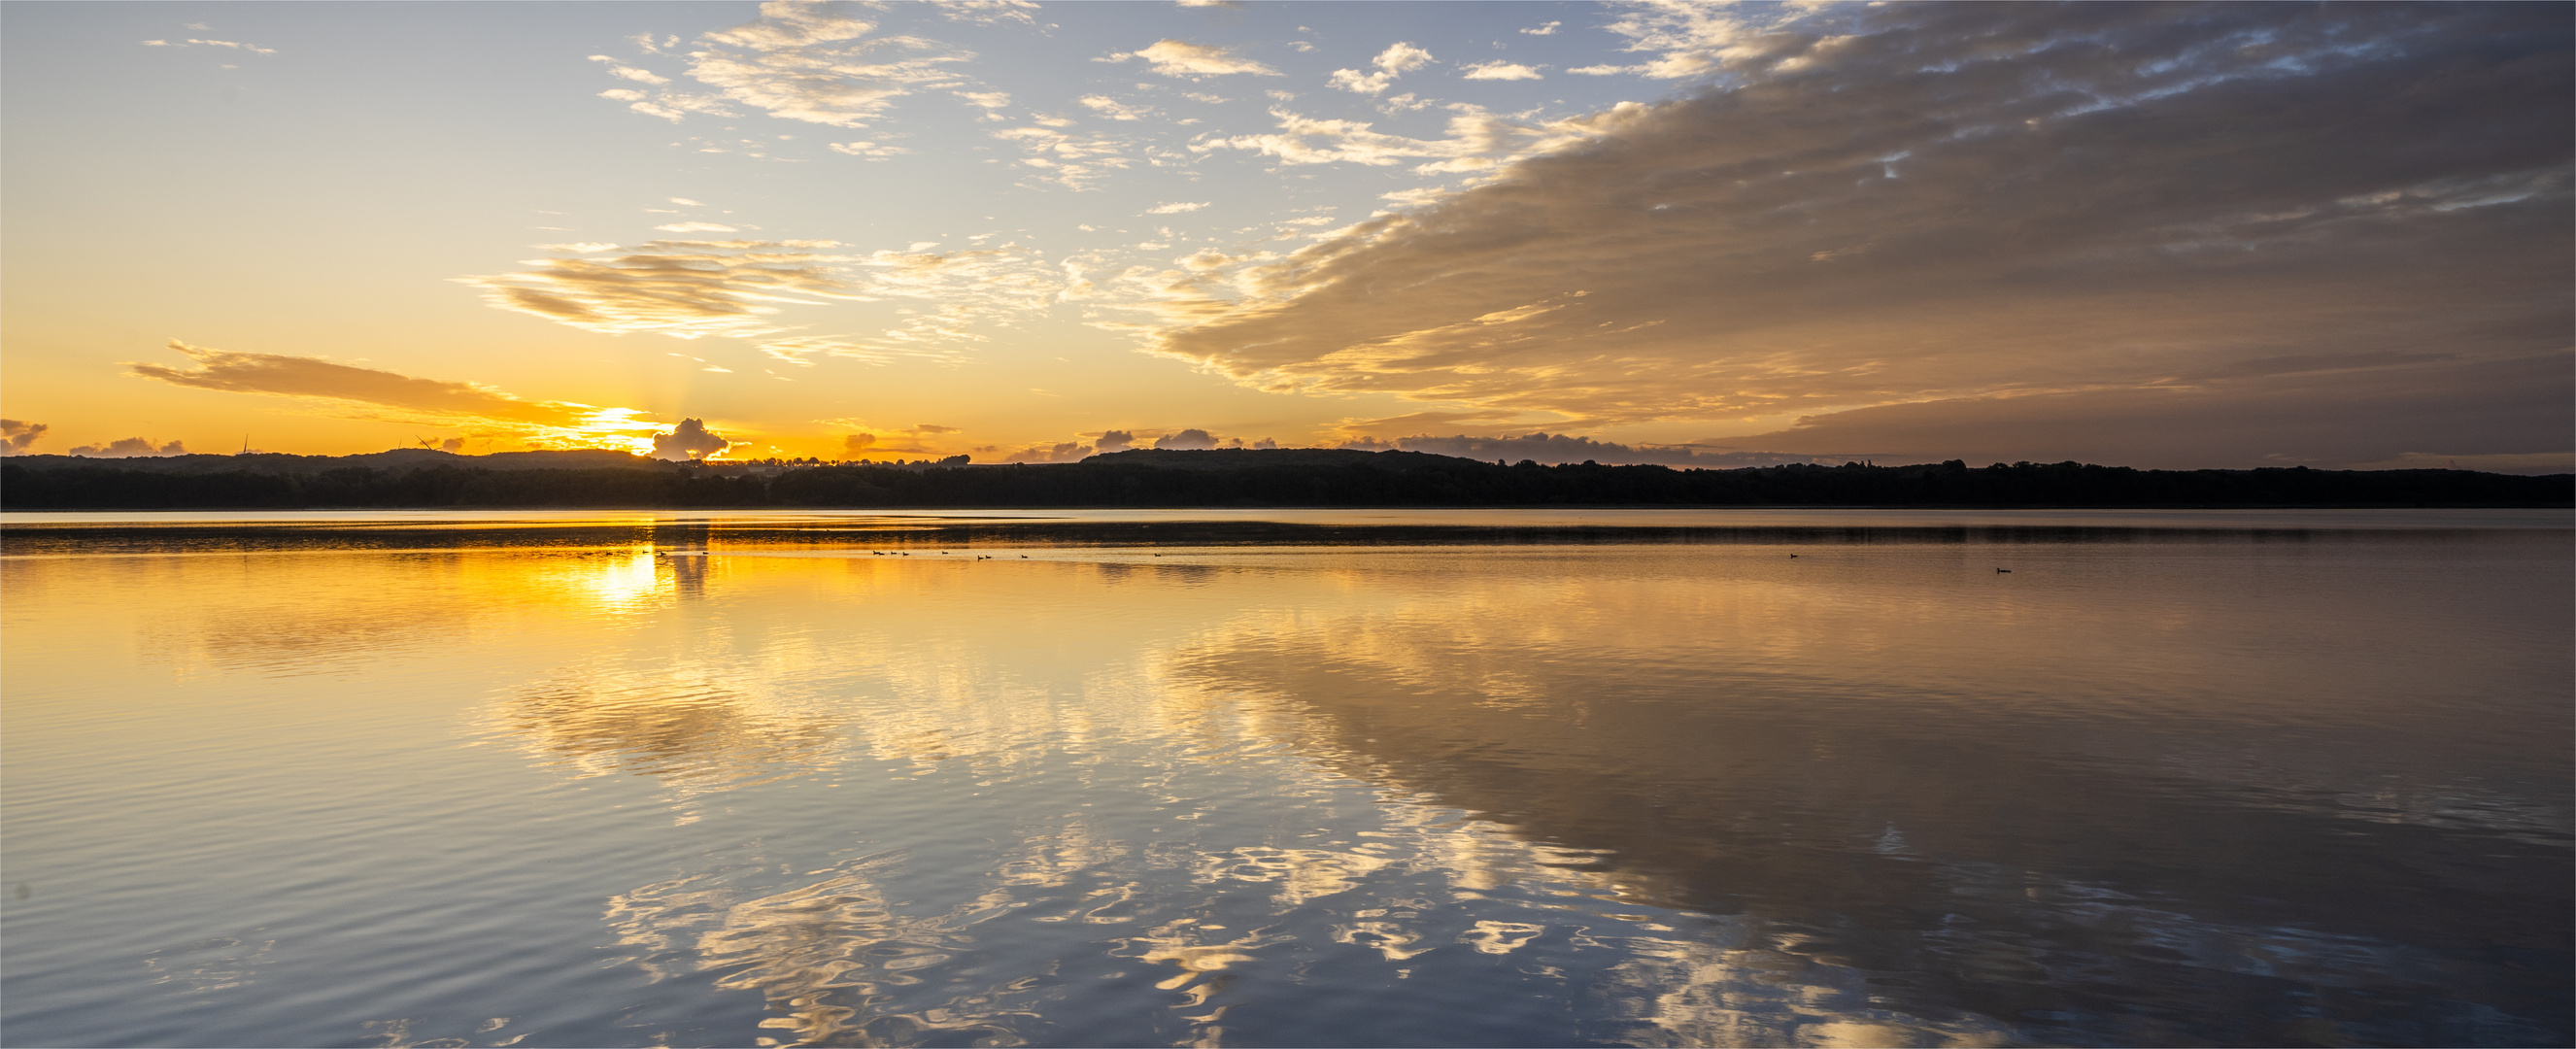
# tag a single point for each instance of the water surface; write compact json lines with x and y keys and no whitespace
{"x":1287,"y":778}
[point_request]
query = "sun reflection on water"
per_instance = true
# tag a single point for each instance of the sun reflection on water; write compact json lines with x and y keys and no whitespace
{"x":621,"y":583}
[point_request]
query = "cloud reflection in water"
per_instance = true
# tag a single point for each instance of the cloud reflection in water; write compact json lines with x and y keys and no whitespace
{"x":1693,"y":796}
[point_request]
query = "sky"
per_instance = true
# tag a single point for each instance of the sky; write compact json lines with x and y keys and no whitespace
{"x":2163,"y":236}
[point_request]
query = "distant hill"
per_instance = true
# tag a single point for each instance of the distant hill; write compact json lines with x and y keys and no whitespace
{"x":1213,"y":478}
{"x":397,"y":459}
{"x":1270,"y":458}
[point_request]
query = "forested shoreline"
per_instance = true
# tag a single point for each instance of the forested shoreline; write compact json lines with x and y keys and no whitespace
{"x":1247,"y":478}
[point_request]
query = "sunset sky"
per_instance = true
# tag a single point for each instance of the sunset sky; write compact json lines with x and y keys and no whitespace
{"x":2227,"y":236}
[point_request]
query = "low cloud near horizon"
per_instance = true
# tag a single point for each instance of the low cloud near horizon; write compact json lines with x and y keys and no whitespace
{"x":1555,"y":448}
{"x":282,"y":375}
{"x":2230,"y":235}
{"x":130,"y":448}
{"x":688,"y":440}
{"x":371,"y":393}
{"x":16,"y":435}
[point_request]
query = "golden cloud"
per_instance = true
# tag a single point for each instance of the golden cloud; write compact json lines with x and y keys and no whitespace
{"x":1180,"y":58}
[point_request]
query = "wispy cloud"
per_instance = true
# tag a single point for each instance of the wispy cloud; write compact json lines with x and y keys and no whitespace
{"x":1069,"y":159}
{"x":991,"y":12}
{"x":1395,"y":61}
{"x":1114,"y":109}
{"x":952,"y":295}
{"x":233,"y":44}
{"x":1500,"y":70}
{"x":991,"y":102}
{"x":1477,"y":140}
{"x":682,"y":288}
{"x":1689,"y":39}
{"x":870,"y":150}
{"x":622,"y":70}
{"x":1175,"y":208}
{"x":1179,"y":58}
{"x":674,"y":106}
{"x":815,"y":63}
{"x":942,"y":301}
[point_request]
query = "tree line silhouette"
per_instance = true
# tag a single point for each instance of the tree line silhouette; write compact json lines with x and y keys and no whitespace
{"x":1259,"y":478}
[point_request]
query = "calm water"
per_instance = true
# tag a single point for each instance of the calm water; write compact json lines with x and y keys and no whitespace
{"x":387,"y":779}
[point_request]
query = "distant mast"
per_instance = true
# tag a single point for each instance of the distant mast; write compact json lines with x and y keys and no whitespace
{"x":245,"y":445}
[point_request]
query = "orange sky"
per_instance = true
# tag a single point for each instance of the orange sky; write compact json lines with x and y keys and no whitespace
{"x":2222,"y":236}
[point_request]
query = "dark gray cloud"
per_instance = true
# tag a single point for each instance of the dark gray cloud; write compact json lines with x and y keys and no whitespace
{"x":689,"y":440}
{"x":2343,"y":222}
{"x":1056,"y":452}
{"x":2484,"y":414}
{"x":1186,"y":439}
{"x":16,"y":435}
{"x":918,"y":439}
{"x":129,"y":448}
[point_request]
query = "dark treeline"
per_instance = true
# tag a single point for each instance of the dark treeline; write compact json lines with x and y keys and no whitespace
{"x":1288,"y":477}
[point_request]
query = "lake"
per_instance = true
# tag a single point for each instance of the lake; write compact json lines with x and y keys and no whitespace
{"x":1288,"y":778}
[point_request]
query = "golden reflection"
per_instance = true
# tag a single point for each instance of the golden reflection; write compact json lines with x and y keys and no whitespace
{"x":692,"y":734}
{"x":1301,"y":875}
{"x":297,"y":613}
{"x":1694,"y":993}
{"x":619,"y":581}
{"x":1660,"y":782}
{"x":1565,"y":754}
{"x":1755,"y":755}
{"x":929,"y":685}
{"x":832,"y":957}
{"x":218,"y":964}
{"x":1490,"y":937}
{"x":1201,"y":952}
